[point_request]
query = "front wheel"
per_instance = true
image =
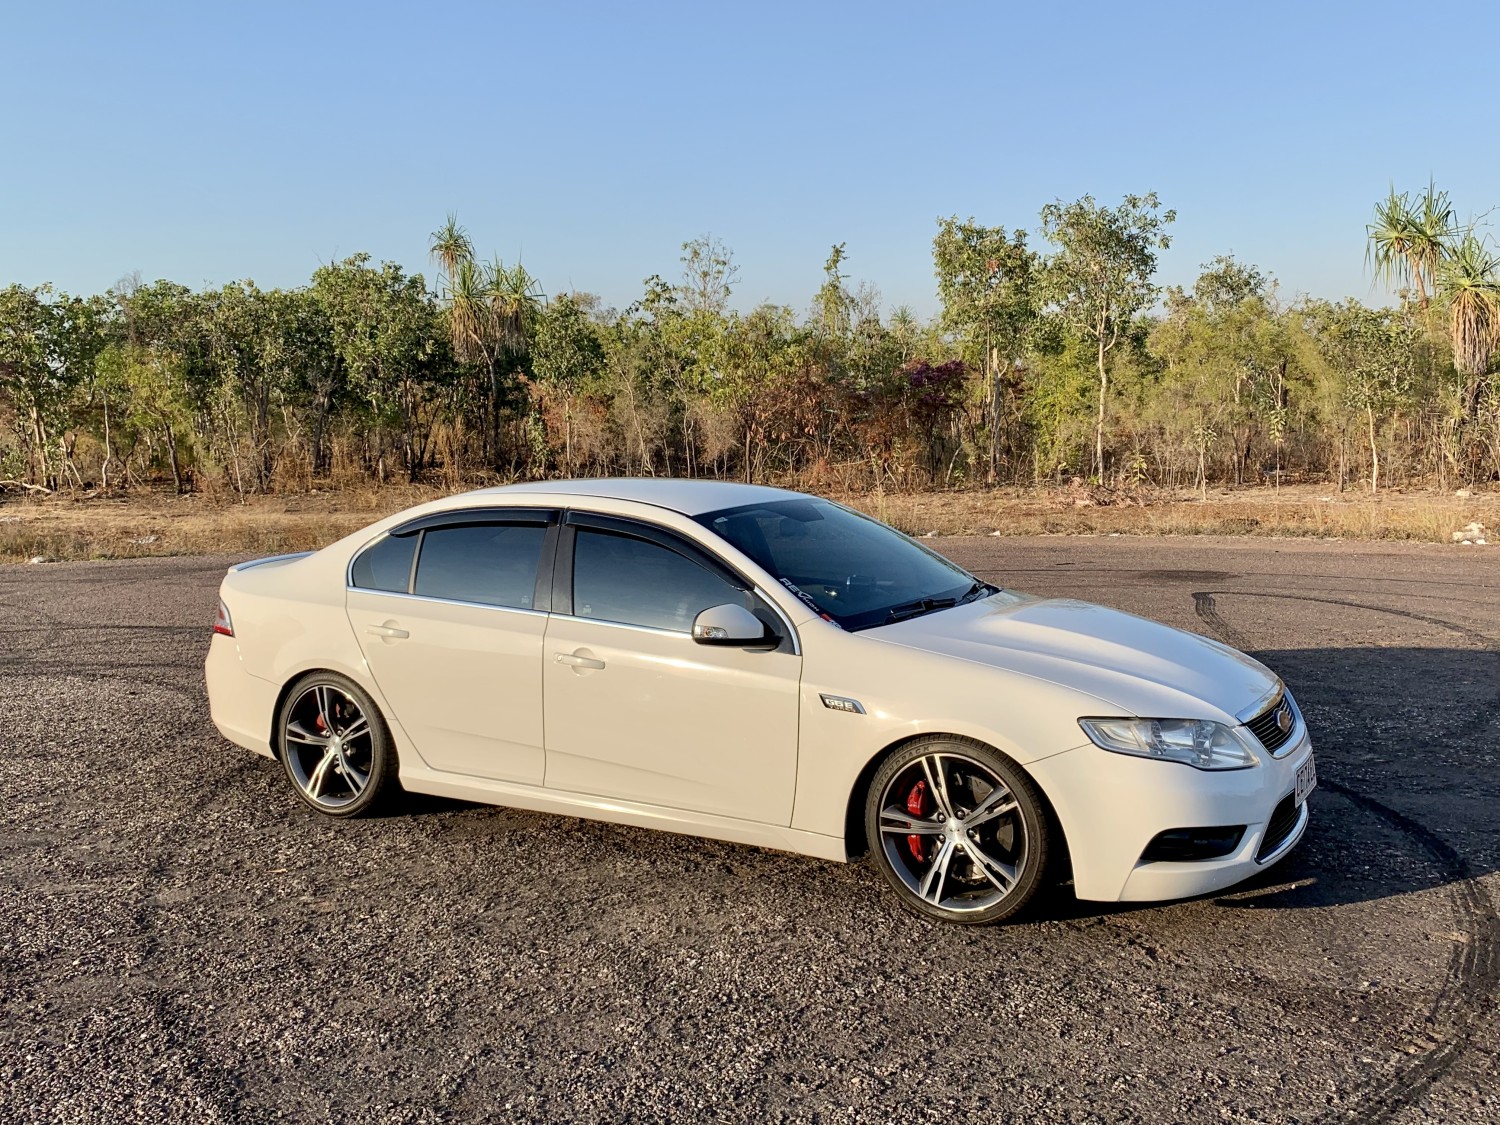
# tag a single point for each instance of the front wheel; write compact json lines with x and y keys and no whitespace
{"x":958,"y":830}
{"x":334,"y":745}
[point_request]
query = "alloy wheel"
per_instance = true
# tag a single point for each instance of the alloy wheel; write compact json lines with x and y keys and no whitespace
{"x":329,"y":746}
{"x":953,"y":832}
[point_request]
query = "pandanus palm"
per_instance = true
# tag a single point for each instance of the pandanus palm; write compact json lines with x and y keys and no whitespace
{"x":1469,"y":282}
{"x":515,"y":301}
{"x":510,"y":303}
{"x":469,"y":321}
{"x":454,"y":254}
{"x":450,"y":248}
{"x":1409,"y":238}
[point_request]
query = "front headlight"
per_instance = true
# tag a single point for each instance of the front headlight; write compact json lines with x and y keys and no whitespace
{"x":1198,"y":743}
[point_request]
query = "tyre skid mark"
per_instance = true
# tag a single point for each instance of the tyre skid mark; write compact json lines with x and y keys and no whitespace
{"x":1473,"y":974}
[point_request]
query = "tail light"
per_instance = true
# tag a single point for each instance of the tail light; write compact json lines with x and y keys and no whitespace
{"x":222,"y":624}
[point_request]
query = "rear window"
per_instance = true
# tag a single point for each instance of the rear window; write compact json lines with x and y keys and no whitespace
{"x":386,"y":565}
{"x":492,"y":563}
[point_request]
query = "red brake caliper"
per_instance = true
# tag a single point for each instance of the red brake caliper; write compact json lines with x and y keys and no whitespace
{"x":916,"y":805}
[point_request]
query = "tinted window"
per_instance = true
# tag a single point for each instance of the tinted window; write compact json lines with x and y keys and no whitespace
{"x":386,"y":565}
{"x":492,"y":563}
{"x":617,"y":578}
{"x":854,"y":569}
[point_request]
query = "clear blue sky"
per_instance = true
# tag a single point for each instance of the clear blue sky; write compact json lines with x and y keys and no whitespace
{"x":207,"y":142}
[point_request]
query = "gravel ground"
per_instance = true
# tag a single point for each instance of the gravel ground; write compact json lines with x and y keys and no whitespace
{"x":185,"y":942}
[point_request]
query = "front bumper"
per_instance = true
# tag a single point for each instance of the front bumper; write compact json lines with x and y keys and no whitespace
{"x":1112,"y":805}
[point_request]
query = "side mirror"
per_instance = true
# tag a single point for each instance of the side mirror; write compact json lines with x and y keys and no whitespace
{"x":730,"y":624}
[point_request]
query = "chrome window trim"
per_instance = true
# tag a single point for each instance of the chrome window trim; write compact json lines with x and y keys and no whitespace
{"x":687,"y":636}
{"x":759,"y":591}
{"x":444,"y":601}
{"x":684,"y":634}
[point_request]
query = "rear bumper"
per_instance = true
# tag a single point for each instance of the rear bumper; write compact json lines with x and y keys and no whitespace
{"x":1111,"y":806}
{"x":241,"y":705}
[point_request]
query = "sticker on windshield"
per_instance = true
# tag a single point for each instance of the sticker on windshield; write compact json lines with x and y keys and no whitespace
{"x":806,"y":599}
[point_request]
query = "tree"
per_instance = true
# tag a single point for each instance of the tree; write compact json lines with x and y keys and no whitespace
{"x":1409,"y":237}
{"x":154,"y":386}
{"x":302,"y":361}
{"x":450,"y":247}
{"x":1227,"y":362}
{"x":987,"y":283}
{"x":48,"y":345}
{"x":567,"y":356}
{"x":386,"y":334}
{"x":1374,"y":357}
{"x":1469,"y":282}
{"x":834,"y":305}
{"x":708,"y":275}
{"x":240,"y":344}
{"x":1100,"y":275}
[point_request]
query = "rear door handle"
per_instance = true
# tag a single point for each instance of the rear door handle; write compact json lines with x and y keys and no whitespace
{"x":573,"y":661}
{"x":387,"y":631}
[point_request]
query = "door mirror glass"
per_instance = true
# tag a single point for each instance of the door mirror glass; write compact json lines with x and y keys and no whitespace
{"x":729,"y":625}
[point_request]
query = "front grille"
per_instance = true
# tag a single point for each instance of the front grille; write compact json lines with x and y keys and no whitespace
{"x":1283,"y":820}
{"x":1268,"y":725}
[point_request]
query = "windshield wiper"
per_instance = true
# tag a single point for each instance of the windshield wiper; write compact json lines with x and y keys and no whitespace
{"x":977,"y":591}
{"x":917,"y":608}
{"x":908,"y":610}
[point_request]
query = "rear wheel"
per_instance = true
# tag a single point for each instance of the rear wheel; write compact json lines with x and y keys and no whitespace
{"x":334,"y":745}
{"x":958,"y":830}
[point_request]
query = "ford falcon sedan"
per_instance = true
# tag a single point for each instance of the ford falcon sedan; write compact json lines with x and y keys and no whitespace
{"x":764,"y":667}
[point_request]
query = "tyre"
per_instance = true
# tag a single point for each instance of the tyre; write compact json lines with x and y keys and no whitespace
{"x":957,"y":829}
{"x":335,"y":746}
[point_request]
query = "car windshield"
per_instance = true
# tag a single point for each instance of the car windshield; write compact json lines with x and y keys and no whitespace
{"x":853,"y":570}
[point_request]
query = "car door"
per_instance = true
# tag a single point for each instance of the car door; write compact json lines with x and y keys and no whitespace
{"x":635,"y":708}
{"x":450,"y":612}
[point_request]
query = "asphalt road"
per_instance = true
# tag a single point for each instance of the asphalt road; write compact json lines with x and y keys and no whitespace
{"x":185,"y":942}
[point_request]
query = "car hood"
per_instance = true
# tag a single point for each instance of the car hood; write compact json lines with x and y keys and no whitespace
{"x":1139,"y":666}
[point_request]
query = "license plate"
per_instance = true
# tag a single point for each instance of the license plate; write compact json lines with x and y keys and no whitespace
{"x":1307,"y":780}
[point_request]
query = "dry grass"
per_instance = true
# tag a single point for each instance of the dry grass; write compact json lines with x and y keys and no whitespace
{"x":1303,"y":511}
{"x":56,"y":528}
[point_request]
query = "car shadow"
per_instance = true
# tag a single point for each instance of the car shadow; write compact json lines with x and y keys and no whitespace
{"x":1409,"y":792}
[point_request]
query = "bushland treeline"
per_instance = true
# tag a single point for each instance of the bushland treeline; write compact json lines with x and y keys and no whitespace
{"x":1047,"y":363}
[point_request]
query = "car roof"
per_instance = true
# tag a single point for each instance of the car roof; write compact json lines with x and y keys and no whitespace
{"x":689,"y":497}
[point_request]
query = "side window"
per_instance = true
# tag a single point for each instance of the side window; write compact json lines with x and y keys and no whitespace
{"x":492,"y":563}
{"x":633,"y":582}
{"x":386,"y":565}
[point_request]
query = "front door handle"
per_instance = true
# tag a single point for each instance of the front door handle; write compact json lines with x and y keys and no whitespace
{"x":389,"y":632}
{"x":573,"y":660}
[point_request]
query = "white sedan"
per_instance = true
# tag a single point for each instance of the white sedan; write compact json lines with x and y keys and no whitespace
{"x":764,"y":667}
